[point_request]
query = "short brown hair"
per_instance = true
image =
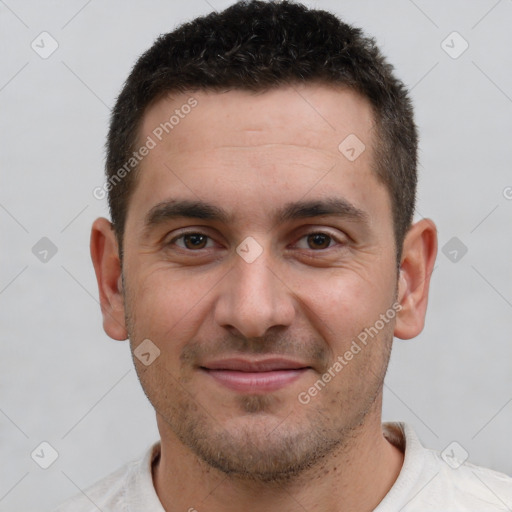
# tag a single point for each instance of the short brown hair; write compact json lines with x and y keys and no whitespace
{"x":256,"y":45}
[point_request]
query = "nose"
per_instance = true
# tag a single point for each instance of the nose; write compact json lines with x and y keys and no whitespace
{"x":254,"y":298}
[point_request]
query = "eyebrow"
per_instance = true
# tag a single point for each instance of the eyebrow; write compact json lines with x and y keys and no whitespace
{"x":196,"y":209}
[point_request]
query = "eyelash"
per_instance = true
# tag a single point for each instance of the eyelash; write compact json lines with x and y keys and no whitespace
{"x":184,"y":234}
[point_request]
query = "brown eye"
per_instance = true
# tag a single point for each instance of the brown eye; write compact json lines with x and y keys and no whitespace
{"x":195,"y":241}
{"x":321,"y":241}
{"x":191,"y":241}
{"x":318,"y":240}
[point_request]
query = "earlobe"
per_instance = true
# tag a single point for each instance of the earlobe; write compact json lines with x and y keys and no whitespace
{"x":418,"y":258}
{"x":107,"y":266}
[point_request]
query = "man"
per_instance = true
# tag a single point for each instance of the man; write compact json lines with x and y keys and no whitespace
{"x":261,"y":173}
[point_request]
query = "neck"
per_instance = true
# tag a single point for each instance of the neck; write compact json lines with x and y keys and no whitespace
{"x":354,"y":478}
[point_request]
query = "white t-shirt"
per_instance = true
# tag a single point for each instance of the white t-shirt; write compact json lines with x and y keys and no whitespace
{"x":428,"y":482}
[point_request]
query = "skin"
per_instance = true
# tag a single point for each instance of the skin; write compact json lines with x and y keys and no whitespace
{"x":303,"y":297}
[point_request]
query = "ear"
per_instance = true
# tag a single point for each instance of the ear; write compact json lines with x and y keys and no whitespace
{"x":418,"y":258}
{"x":107,"y":265}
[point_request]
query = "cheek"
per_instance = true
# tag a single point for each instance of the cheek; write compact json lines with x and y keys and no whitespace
{"x":167,"y":308}
{"x":341,"y":304}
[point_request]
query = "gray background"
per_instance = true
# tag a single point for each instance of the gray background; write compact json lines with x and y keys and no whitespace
{"x":62,"y":380}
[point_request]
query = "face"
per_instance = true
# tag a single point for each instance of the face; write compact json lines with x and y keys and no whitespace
{"x":256,"y":253}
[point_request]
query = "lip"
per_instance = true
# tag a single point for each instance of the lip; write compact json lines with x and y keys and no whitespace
{"x":255,"y":376}
{"x":261,"y":365}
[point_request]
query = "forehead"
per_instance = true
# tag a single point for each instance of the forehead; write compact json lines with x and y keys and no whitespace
{"x":313,"y":115}
{"x":275,"y":146}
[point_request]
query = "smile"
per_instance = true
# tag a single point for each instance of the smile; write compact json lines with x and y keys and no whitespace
{"x":255,"y":376}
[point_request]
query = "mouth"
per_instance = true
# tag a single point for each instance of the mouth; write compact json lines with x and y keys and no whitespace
{"x":261,"y":376}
